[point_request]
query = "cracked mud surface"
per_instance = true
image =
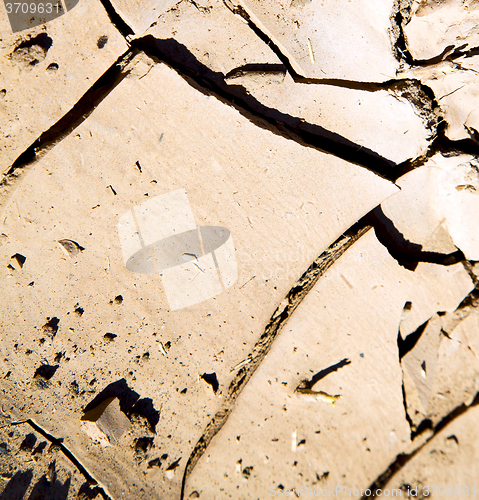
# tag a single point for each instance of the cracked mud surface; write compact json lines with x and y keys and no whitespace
{"x":238,"y":250}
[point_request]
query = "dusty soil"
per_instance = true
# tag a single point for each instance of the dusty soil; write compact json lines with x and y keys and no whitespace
{"x":238,"y":249}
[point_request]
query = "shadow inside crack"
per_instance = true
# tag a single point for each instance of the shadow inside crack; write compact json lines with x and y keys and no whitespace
{"x":116,"y":19}
{"x":407,"y":253}
{"x":207,"y":81}
{"x":407,"y":345}
{"x":272,"y":44}
{"x":404,"y":458}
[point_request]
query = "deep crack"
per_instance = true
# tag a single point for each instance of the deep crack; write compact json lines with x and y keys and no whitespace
{"x":178,"y":57}
{"x":404,"y":458}
{"x":408,"y":254}
{"x":120,"y":24}
{"x":65,"y":126}
{"x":279,"y":318}
{"x":68,"y":454}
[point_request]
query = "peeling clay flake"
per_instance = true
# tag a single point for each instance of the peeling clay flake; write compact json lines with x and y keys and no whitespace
{"x":311,"y":53}
{"x":319,"y":395}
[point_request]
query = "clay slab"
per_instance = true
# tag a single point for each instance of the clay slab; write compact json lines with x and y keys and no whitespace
{"x":331,"y":39}
{"x":277,"y":437}
{"x":155,"y":136}
{"x":438,"y":27}
{"x":42,"y":79}
{"x":213,"y":37}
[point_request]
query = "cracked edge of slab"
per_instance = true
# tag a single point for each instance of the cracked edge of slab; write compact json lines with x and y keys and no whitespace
{"x":279,"y":318}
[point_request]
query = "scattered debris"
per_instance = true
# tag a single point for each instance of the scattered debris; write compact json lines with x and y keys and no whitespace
{"x":156,"y":462}
{"x":311,"y":53}
{"x":170,"y":470}
{"x":142,"y":446}
{"x":102,"y":41}
{"x":247,"y":472}
{"x":71,"y":247}
{"x":319,"y":395}
{"x":46,"y":372}
{"x":162,"y":349}
{"x":20,"y":259}
{"x":50,"y":328}
{"x":79,"y":310}
{"x":52,"y":68}
{"x":212,"y":380}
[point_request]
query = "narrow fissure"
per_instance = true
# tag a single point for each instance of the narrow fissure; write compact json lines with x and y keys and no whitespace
{"x":179,"y":58}
{"x":470,"y":302}
{"x":120,"y":24}
{"x":404,"y":346}
{"x":408,"y":254}
{"x":403,"y":458}
{"x":440,"y":144}
{"x":297,"y":78}
{"x":289,"y":304}
{"x":406,"y":414}
{"x":81,"y":110}
{"x":68,"y":454}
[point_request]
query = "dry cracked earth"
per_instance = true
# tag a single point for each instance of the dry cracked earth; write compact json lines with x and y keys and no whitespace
{"x":239,"y":249}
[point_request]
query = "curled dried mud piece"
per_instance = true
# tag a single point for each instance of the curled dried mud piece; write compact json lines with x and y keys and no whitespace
{"x":319,"y":395}
{"x":72,"y":247}
{"x":20,"y":259}
{"x":50,"y":328}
